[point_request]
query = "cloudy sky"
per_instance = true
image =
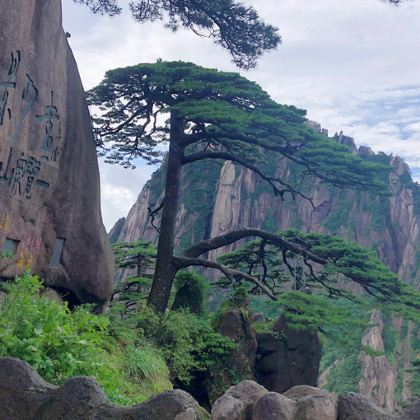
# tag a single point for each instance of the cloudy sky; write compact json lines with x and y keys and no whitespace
{"x":353,"y":64}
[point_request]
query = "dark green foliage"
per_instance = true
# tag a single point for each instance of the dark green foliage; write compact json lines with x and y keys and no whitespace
{"x":190,"y":292}
{"x":391,"y":339}
{"x":415,"y":370}
{"x":108,"y":7}
{"x":188,"y":343}
{"x":274,"y":264}
{"x":341,"y":217}
{"x":239,"y":298}
{"x":140,"y":255}
{"x":231,"y":24}
{"x":223,"y":109}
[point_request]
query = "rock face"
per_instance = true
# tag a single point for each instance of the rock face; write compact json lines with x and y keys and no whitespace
{"x":289,"y":359}
{"x":379,"y":377}
{"x":25,"y":396}
{"x":50,"y":219}
{"x":236,"y":324}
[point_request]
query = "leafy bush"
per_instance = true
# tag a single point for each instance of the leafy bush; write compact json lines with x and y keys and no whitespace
{"x":188,"y":343}
{"x":190,"y":292}
{"x":60,"y":344}
{"x":56,"y":342}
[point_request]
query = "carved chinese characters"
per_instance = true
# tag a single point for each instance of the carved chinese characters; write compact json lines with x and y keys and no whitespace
{"x":7,"y":85}
{"x":20,"y":171}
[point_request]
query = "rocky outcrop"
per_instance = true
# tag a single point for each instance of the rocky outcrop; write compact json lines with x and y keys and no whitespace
{"x":50,"y":219}
{"x":352,"y":406}
{"x":312,"y":403}
{"x":25,"y":396}
{"x":287,"y":357}
{"x":249,"y":401}
{"x":115,"y":232}
{"x":22,"y":390}
{"x":236,"y":324}
{"x":237,"y":402}
{"x":379,"y":377}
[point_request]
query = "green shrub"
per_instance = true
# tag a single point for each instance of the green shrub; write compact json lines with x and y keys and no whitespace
{"x":56,"y":342}
{"x":60,"y":344}
{"x":190,"y":292}
{"x":188,"y":343}
{"x":146,"y":367}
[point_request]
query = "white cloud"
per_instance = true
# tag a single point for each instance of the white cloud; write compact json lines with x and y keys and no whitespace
{"x":353,"y":64}
{"x":119,"y":189}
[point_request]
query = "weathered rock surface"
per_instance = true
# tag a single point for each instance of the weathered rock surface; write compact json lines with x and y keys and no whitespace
{"x":287,"y":358}
{"x":274,"y":406}
{"x":313,"y":403}
{"x":236,"y":324}
{"x":50,"y":217}
{"x":246,"y":401}
{"x":116,"y":230}
{"x":352,"y":406}
{"x":24,"y":395}
{"x":379,"y":377}
{"x":22,"y":390}
{"x":236,"y":403}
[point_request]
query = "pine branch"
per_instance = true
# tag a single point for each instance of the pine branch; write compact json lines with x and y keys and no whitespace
{"x":184,"y":262}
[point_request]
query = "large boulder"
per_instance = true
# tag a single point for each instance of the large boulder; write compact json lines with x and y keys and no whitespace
{"x":313,"y":403}
{"x":24,"y":395}
{"x":287,"y":357}
{"x":352,"y":406}
{"x":236,"y":324}
{"x":22,"y":390}
{"x":234,"y":320}
{"x":50,"y":218}
{"x":274,"y":406}
{"x":237,"y":402}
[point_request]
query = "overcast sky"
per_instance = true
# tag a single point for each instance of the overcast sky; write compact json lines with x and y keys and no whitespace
{"x":353,"y":64}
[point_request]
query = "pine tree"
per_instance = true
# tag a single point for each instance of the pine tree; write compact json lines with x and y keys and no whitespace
{"x":207,"y":114}
{"x":231,"y":24}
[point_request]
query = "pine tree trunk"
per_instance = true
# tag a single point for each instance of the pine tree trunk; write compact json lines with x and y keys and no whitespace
{"x":165,"y":271}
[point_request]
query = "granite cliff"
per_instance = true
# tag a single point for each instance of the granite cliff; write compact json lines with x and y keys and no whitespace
{"x":50,"y":218}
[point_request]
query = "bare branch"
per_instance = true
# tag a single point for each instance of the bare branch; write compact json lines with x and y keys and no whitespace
{"x":153,"y":213}
{"x":194,"y":157}
{"x":236,"y":235}
{"x":184,"y":262}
